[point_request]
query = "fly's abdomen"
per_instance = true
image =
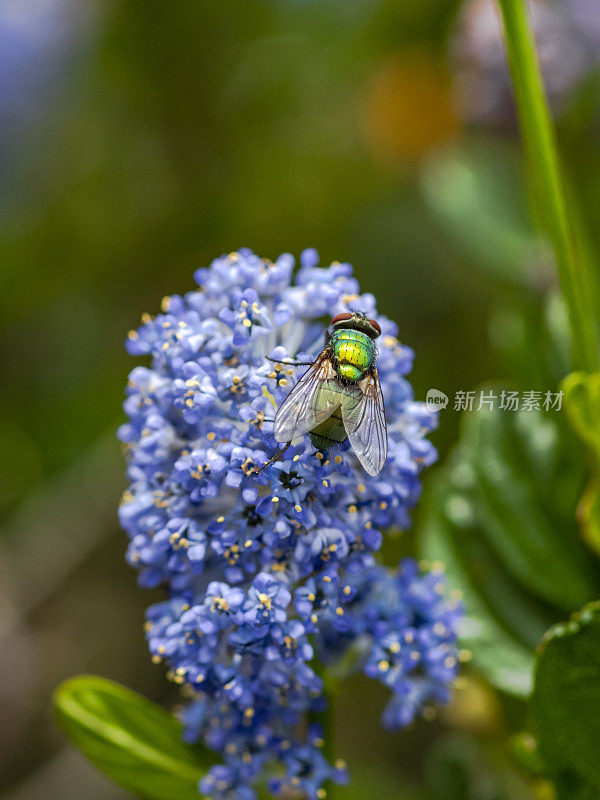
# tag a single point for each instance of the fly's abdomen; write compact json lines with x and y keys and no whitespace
{"x":354,"y":352}
{"x":329,"y":433}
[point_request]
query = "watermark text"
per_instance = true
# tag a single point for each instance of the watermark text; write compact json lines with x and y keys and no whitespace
{"x":488,"y":400}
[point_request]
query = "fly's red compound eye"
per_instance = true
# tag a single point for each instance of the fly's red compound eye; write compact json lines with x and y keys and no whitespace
{"x":376,"y":326}
{"x":341,"y":317}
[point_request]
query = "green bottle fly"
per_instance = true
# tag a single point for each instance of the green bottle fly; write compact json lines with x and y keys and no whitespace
{"x":339,"y":396}
{"x":353,"y":354}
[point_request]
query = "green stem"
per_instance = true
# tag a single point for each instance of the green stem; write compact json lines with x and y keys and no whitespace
{"x":540,"y":145}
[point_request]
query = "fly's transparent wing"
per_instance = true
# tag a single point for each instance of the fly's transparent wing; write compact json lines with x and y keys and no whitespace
{"x":312,"y":400}
{"x":363,"y":414}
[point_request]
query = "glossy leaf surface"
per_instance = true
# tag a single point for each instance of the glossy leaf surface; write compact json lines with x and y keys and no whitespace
{"x":132,"y":740}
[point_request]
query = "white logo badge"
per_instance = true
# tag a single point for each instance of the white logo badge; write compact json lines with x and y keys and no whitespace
{"x":436,"y":400}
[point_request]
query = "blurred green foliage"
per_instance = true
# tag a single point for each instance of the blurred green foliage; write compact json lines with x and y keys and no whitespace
{"x":183,"y":130}
{"x":501,"y":518}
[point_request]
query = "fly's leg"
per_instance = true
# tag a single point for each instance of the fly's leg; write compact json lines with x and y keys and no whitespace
{"x":274,"y":458}
{"x":290,"y":363}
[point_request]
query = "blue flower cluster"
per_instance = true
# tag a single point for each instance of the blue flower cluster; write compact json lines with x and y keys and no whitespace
{"x":270,"y":573}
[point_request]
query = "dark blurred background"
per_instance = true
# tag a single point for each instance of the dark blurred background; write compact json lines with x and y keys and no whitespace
{"x":141,"y":139}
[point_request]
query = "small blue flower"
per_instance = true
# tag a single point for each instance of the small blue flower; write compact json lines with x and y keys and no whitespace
{"x":223,"y":783}
{"x":266,"y":603}
{"x":220,"y":608}
{"x":269,"y":573}
{"x":306,"y":772}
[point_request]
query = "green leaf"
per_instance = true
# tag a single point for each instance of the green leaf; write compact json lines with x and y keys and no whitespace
{"x":500,"y":518}
{"x":517,"y":459}
{"x":582,"y":406}
{"x":484,"y":212}
{"x":532,"y":339}
{"x":501,"y":656}
{"x":566,"y":698}
{"x":134,"y":741}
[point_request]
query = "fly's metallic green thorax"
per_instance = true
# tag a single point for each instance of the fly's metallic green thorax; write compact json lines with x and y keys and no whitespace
{"x":353,"y":352}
